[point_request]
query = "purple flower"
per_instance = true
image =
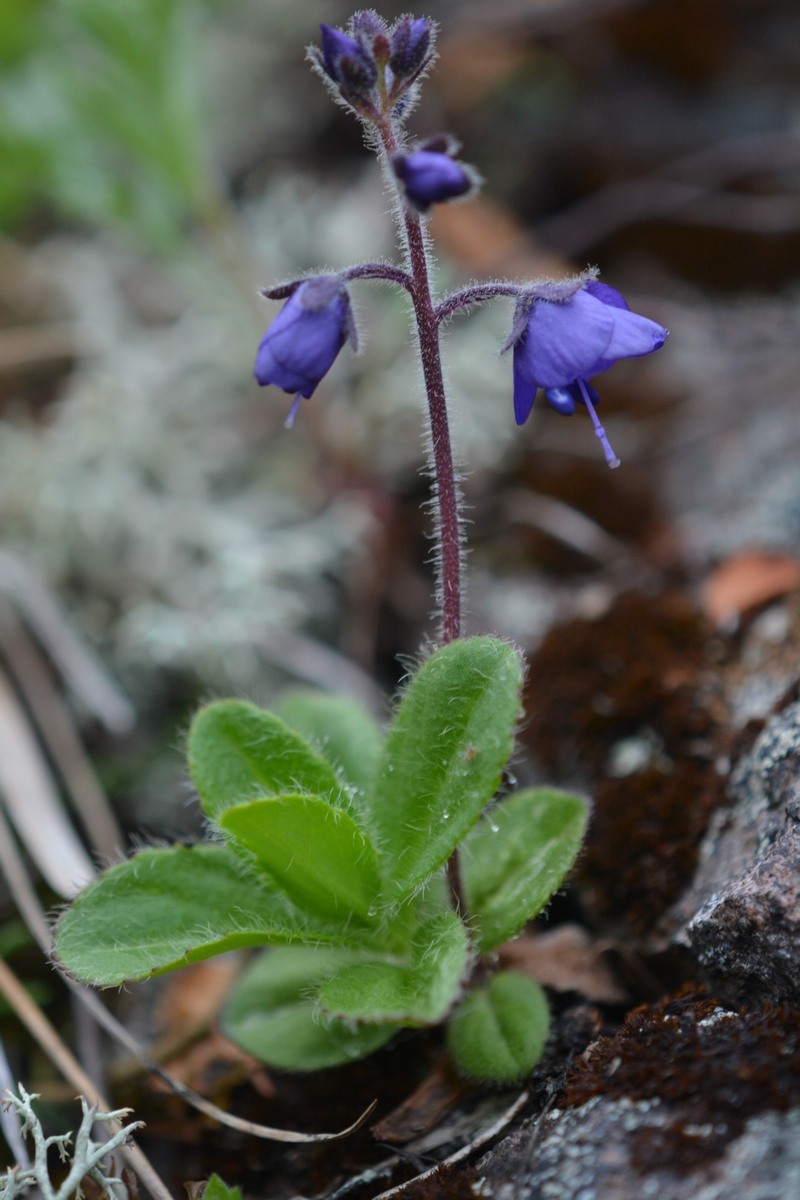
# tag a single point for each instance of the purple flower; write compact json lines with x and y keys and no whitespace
{"x":368,"y":25}
{"x":410,"y":44}
{"x":429,"y":176}
{"x":560,"y":344}
{"x":302,"y":342}
{"x":347,"y":62}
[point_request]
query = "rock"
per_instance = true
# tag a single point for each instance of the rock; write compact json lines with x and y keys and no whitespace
{"x":740,"y":919}
{"x":590,"y":1153}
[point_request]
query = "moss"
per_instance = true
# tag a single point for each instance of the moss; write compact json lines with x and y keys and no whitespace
{"x":643,"y":666}
{"x":712,"y":1069}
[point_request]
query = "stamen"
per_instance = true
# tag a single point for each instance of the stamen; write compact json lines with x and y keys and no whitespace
{"x":611,"y":457}
{"x":289,"y":422}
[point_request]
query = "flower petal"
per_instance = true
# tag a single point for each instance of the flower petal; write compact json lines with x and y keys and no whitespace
{"x":524,"y":392}
{"x":633,"y":336}
{"x":566,"y":340}
{"x":606,"y":294}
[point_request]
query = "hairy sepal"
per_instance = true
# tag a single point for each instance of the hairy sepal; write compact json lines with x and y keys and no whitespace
{"x":517,"y":856}
{"x":443,"y":758}
{"x":165,"y":908}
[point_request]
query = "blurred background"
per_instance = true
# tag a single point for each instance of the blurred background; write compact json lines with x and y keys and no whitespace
{"x":161,"y":159}
{"x":165,"y":539}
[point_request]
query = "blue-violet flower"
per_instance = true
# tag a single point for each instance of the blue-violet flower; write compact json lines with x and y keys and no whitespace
{"x":347,"y":62}
{"x":430,"y":176}
{"x":410,"y":44}
{"x":302,"y":342}
{"x":560,"y":344}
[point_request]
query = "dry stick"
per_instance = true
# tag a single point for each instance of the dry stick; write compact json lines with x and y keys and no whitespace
{"x":53,"y":720}
{"x":465,"y":1152}
{"x":38,"y":1025}
{"x":32,"y":912}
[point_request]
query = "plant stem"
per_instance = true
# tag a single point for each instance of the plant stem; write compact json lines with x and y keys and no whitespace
{"x":448,"y":559}
{"x":448,"y":532}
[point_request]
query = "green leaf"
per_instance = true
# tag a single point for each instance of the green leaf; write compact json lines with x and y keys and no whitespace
{"x":420,"y":993}
{"x":272,"y":1013}
{"x":215,"y":1189}
{"x":499,"y":1032}
{"x":315,"y":853}
{"x":238,"y":752}
{"x":444,"y":756}
{"x":517,"y":856}
{"x":347,"y":735}
{"x":165,"y":908}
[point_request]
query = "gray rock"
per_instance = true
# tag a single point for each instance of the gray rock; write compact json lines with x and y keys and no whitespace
{"x":585,"y":1154}
{"x":740,"y":919}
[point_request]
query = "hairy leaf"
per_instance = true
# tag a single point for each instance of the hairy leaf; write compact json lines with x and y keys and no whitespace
{"x":215,"y":1189}
{"x":517,"y":856}
{"x":238,"y":752}
{"x":418,"y":993}
{"x":272,"y":1013}
{"x":444,"y":756}
{"x":347,"y":735}
{"x":165,"y":908}
{"x":499,"y":1032}
{"x":315,"y":853}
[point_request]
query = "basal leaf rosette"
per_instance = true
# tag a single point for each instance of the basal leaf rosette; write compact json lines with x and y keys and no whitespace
{"x":330,"y":846}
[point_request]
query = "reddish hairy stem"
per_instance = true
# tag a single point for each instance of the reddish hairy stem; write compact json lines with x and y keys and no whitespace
{"x":474,"y":295}
{"x":448,"y":530}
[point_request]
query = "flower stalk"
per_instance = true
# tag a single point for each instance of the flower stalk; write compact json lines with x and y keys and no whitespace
{"x":448,"y":524}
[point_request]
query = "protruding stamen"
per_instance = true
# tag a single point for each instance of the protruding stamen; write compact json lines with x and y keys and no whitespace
{"x":611,"y":457}
{"x":289,"y":422}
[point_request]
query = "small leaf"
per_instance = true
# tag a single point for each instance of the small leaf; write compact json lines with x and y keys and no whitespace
{"x":517,"y":856}
{"x":238,"y":752}
{"x":345,"y":733}
{"x":272,"y":1014}
{"x":444,"y":756}
{"x":499,"y":1032}
{"x":215,"y":1189}
{"x":420,"y":993}
{"x":315,"y":853}
{"x":164,"y":908}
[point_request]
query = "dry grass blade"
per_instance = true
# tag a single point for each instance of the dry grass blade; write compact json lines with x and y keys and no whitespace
{"x":318,"y":664}
{"x":40,"y":1028}
{"x":466,"y":1151}
{"x":34,"y":805}
{"x":55,"y":726}
{"x":81,"y":669}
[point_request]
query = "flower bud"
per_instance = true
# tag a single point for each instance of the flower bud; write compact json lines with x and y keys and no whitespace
{"x":367,"y":25}
{"x":347,"y":62}
{"x":303,"y":341}
{"x":411,"y":42}
{"x":429,"y":177}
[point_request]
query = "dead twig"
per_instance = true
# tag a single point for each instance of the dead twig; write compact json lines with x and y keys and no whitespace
{"x":40,"y":1028}
{"x":466,"y":1151}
